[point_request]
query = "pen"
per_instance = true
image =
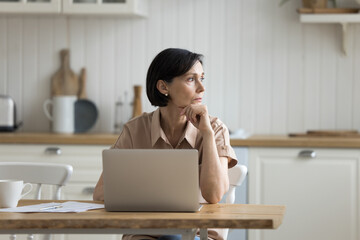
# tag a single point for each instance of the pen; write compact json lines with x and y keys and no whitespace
{"x":51,"y":207}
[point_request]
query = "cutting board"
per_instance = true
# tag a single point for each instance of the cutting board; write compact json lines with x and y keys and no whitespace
{"x":64,"y":81}
{"x":82,"y":84}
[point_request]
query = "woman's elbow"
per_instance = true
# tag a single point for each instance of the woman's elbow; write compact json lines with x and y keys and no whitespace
{"x":98,"y":195}
{"x":212,"y":198}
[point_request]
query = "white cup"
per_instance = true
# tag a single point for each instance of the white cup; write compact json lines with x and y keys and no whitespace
{"x":11,"y":192}
{"x":63,"y":113}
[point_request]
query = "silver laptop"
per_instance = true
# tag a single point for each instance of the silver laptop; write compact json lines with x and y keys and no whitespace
{"x":151,"y":180}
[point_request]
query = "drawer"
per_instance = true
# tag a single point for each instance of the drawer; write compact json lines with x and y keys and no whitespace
{"x":85,"y":159}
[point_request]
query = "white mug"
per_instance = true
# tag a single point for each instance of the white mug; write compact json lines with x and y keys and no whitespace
{"x":11,"y":192}
{"x":63,"y":113}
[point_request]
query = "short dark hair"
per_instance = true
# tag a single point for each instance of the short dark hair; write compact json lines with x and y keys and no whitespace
{"x":167,"y":65}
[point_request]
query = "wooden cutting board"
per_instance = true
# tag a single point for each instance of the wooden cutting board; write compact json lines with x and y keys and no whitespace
{"x":64,"y":81}
{"x":82,"y":84}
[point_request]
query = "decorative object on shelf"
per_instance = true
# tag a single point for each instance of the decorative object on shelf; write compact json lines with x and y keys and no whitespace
{"x":119,"y":115}
{"x":123,"y":112}
{"x":328,"y":10}
{"x":313,"y":3}
{"x":137,"y":109}
{"x":8,"y":114}
{"x":64,"y":81}
{"x":62,"y":114}
{"x":86,"y":115}
{"x":82,"y":84}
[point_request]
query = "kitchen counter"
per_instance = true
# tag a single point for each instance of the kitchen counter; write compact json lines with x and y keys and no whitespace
{"x":253,"y":141}
{"x":285,"y":141}
{"x":54,"y":138}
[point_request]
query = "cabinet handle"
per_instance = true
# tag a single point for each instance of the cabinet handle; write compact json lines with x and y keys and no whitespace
{"x":88,"y":190}
{"x":307,"y":154}
{"x":53,"y":150}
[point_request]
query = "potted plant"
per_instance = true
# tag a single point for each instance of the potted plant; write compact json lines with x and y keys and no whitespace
{"x":312,"y":3}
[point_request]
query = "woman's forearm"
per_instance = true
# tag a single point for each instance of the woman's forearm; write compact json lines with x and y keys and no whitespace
{"x":214,"y":181}
{"x":98,"y":194}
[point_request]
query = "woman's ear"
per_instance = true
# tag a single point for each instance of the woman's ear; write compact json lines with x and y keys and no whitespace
{"x":162,"y":87}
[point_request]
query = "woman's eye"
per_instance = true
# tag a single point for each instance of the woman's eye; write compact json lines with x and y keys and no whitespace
{"x":202,"y":79}
{"x":190,"y":79}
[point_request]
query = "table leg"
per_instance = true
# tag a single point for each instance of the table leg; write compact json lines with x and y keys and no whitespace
{"x":203,"y":234}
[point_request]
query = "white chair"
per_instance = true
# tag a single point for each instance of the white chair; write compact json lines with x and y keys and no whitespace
{"x":37,"y":173}
{"x":237,"y":176}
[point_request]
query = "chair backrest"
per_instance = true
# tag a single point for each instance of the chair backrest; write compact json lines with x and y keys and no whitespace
{"x":237,"y":176}
{"x":38,"y":173}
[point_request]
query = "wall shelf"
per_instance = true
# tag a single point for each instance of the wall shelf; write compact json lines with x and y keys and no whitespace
{"x":137,"y":8}
{"x":343,"y":19}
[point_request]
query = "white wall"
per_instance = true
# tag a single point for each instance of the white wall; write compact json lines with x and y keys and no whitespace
{"x":265,"y":71}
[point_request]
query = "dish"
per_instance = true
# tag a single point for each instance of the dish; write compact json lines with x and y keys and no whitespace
{"x":86,"y":115}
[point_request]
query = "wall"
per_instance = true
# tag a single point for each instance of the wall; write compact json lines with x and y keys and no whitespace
{"x":265,"y":71}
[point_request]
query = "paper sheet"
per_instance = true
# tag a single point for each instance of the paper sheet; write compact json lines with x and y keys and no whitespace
{"x":69,"y":206}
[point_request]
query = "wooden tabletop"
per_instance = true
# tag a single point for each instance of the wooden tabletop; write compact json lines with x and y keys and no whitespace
{"x":210,"y":216}
{"x":109,"y":139}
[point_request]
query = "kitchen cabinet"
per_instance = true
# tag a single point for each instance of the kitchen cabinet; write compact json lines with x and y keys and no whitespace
{"x":320,"y":188}
{"x":88,"y":7}
{"x":87,"y":165}
{"x":30,"y":6}
{"x":99,"y":7}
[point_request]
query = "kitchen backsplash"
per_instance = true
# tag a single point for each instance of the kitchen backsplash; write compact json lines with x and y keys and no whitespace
{"x":265,"y":71}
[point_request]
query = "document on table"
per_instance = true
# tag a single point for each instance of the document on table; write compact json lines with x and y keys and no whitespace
{"x":69,"y":206}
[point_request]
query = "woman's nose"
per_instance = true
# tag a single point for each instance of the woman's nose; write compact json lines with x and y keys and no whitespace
{"x":200,"y":87}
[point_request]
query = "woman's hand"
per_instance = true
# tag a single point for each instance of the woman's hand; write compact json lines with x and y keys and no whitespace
{"x":198,"y":115}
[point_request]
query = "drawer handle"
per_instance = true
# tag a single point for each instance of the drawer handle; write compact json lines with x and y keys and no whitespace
{"x":53,"y":150}
{"x":88,"y":190}
{"x":307,"y":154}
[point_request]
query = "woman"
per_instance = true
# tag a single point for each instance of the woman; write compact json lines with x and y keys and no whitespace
{"x":174,"y":83}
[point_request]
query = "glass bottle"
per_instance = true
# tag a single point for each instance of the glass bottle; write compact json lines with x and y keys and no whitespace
{"x":118,"y":125}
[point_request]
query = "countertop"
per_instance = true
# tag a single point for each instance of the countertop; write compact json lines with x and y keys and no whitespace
{"x":253,"y":141}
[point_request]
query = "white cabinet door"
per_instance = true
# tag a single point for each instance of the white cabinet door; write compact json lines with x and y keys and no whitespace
{"x":321,"y":194}
{"x":85,"y":159}
{"x":113,"y":7}
{"x":87,"y":164}
{"x":30,"y":6}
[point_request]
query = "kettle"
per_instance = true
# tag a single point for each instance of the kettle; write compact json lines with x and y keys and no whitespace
{"x":8,"y":114}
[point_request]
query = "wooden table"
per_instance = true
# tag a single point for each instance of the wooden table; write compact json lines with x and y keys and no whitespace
{"x":99,"y":221}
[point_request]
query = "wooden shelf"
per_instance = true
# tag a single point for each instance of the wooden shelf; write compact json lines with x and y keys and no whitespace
{"x":330,"y":18}
{"x":344,"y":19}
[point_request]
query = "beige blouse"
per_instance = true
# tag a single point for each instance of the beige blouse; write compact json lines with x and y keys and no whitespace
{"x":145,"y":132}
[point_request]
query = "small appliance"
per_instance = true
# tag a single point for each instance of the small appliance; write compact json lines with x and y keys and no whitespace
{"x":7,"y":114}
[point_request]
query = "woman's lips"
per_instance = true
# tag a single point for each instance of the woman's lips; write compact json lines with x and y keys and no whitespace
{"x":198,"y":99}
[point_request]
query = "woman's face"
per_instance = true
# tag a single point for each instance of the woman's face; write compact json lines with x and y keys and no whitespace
{"x":188,"y":88}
